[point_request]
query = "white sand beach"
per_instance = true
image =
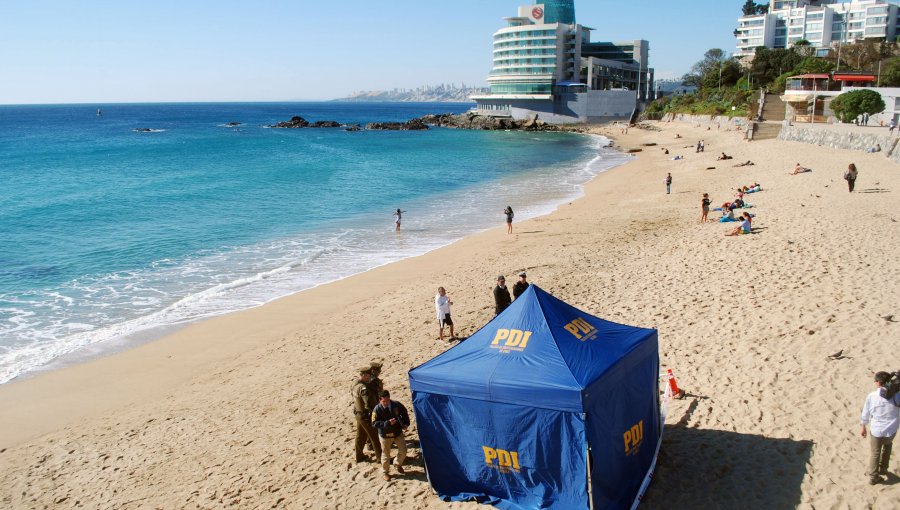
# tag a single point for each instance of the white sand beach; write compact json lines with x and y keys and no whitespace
{"x":252,"y":409}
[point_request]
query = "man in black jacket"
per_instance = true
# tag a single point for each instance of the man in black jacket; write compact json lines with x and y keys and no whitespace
{"x":390,"y":419}
{"x":520,"y":286}
{"x":501,"y":296}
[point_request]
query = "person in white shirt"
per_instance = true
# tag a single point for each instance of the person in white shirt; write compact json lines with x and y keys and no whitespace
{"x":883,"y":418}
{"x":442,"y":306}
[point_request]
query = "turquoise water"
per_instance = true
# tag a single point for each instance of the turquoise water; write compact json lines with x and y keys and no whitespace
{"x":108,"y":232}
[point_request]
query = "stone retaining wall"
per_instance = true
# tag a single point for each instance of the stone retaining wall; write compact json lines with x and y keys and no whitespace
{"x":842,"y":140}
{"x":707,"y":120}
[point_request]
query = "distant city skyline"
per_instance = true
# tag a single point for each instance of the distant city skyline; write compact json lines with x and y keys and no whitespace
{"x":53,"y":51}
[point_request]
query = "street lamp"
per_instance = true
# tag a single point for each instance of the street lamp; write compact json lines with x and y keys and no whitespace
{"x":841,"y":40}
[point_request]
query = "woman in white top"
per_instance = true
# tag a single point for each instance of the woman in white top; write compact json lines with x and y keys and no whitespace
{"x":442,"y":306}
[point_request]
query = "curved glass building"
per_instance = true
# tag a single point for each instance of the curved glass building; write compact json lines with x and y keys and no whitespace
{"x":544,"y":64}
{"x":559,"y":11}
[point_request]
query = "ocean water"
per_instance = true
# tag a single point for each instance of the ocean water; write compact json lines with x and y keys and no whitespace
{"x":109,"y":234}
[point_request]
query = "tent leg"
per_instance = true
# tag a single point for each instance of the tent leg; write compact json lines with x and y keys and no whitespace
{"x":590,"y":485}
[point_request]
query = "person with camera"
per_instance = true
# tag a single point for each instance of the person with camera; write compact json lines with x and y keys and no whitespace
{"x":881,"y":413}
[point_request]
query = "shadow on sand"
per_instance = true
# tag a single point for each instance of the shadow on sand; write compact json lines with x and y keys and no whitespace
{"x":716,"y":469}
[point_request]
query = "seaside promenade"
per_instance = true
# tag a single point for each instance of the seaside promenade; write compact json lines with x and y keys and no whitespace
{"x":255,"y":413}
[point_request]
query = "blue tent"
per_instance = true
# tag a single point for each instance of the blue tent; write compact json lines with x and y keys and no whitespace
{"x":544,"y":407}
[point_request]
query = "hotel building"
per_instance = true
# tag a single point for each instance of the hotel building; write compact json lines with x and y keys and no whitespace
{"x":824,"y":23}
{"x":546,"y":65}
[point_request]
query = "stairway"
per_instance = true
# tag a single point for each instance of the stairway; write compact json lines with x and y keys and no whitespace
{"x":774,"y":108}
{"x":773,"y":116}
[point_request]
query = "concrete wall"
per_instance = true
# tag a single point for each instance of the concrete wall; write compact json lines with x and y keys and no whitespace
{"x":843,"y":140}
{"x":593,"y":106}
{"x":707,"y":120}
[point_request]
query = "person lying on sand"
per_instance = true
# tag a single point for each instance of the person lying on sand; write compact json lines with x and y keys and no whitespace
{"x":723,"y":156}
{"x":753,"y":188}
{"x":727,"y":213}
{"x":800,"y":169}
{"x":746,"y":163}
{"x":744,"y":227}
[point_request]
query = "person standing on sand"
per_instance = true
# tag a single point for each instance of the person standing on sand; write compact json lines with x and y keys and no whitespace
{"x":704,"y":207}
{"x":364,"y":399}
{"x":520,"y":286}
{"x":390,"y":419}
{"x":850,"y":176}
{"x":891,"y":127}
{"x":669,"y":183}
{"x":509,"y":217}
{"x":397,"y":217}
{"x":442,"y":306}
{"x":883,"y":418}
{"x":501,"y":296}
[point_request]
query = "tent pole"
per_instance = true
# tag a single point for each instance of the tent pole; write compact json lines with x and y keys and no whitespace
{"x":590,"y":484}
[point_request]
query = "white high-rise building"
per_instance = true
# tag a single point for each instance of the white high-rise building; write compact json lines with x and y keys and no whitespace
{"x":824,"y":23}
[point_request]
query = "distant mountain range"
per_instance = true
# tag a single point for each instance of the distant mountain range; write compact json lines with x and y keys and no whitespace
{"x":426,"y":94}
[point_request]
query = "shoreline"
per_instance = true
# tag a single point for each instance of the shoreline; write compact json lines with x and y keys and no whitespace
{"x":251,"y":407}
{"x":303,"y":259}
{"x":97,"y":352}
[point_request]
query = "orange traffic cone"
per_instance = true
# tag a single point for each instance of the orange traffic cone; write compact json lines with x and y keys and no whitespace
{"x":673,"y":385}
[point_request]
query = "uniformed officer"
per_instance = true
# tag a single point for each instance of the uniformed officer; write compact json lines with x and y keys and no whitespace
{"x":377,"y":383}
{"x":364,"y":400}
{"x":375,"y":386}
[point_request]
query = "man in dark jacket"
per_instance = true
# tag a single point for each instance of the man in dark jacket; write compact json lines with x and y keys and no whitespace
{"x":390,"y":419}
{"x":520,"y":286}
{"x":501,"y":296}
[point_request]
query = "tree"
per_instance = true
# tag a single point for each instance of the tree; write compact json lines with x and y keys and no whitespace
{"x":768,"y":64}
{"x":813,"y":65}
{"x":865,"y":54}
{"x":712,"y":60}
{"x":850,"y":105}
{"x":749,"y":8}
{"x":890,"y":73}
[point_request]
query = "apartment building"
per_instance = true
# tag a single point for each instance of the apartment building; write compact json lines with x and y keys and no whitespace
{"x":824,"y":23}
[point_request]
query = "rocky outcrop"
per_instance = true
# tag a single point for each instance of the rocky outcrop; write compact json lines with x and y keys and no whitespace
{"x":471,"y":120}
{"x":352,"y":127}
{"x":296,"y":122}
{"x":233,"y":124}
{"x":410,"y":125}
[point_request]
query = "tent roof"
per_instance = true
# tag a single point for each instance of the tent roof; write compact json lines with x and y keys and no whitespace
{"x":809,"y":77}
{"x":539,"y":352}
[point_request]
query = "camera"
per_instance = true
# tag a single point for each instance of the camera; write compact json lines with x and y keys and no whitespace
{"x":892,"y":387}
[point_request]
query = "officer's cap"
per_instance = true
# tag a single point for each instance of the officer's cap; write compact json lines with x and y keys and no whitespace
{"x":376,"y":364}
{"x":365,"y":370}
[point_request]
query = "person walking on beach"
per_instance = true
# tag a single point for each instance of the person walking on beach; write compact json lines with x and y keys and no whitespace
{"x":850,"y":176}
{"x":364,"y":399}
{"x":509,"y":217}
{"x":698,"y":147}
{"x":501,"y":296}
{"x":891,"y":127}
{"x":704,"y":207}
{"x":669,"y":183}
{"x":442,"y":306}
{"x":391,"y":420}
{"x":397,"y":217}
{"x":882,"y":415}
{"x":520,"y":286}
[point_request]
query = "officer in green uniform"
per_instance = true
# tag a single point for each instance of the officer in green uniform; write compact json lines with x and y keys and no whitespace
{"x":377,"y":383}
{"x":364,"y":400}
{"x":376,"y":386}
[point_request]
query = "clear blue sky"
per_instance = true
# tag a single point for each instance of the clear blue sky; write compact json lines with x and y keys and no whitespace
{"x":104,"y":51}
